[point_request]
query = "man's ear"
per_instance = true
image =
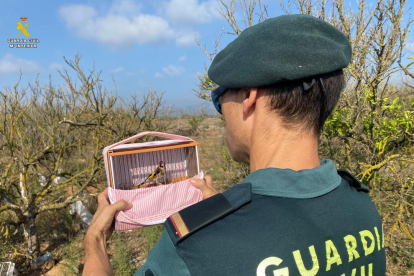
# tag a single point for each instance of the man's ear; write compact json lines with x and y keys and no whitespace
{"x":249,"y":99}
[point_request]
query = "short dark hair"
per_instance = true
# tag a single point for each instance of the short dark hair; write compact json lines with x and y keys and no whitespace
{"x":300,"y":108}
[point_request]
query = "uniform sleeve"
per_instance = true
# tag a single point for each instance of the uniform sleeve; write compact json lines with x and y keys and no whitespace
{"x":163,"y":260}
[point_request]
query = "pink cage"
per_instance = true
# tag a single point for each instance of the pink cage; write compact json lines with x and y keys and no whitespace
{"x":128,"y":167}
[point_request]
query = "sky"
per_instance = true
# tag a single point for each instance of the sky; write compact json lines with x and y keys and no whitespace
{"x":143,"y":44}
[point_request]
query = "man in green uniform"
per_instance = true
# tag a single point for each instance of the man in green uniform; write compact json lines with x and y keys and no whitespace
{"x":294,"y":214}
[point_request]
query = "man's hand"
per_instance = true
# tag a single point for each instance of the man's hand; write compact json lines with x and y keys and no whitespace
{"x":103,"y":221}
{"x":205,"y":185}
{"x":99,"y":232}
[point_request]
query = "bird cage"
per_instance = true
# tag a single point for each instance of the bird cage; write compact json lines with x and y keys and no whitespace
{"x":154,"y":176}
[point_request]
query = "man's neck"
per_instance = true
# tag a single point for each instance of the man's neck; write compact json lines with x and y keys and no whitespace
{"x":283,"y":149}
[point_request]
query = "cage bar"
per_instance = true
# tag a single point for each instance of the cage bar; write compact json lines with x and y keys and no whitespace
{"x":129,"y":167}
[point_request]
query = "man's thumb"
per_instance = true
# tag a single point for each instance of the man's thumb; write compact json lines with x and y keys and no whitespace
{"x":202,"y":185}
{"x":121,"y":205}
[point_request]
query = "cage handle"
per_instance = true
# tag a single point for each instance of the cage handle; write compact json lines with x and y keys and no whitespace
{"x":151,"y":133}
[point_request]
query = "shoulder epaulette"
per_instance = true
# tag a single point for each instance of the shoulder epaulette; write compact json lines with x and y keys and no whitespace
{"x":186,"y":222}
{"x":352,"y":180}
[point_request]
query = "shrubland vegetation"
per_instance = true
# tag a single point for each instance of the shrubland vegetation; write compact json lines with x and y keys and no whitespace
{"x":51,"y":142}
{"x":52,"y":137}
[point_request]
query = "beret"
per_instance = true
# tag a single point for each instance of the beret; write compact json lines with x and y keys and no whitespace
{"x":284,"y":48}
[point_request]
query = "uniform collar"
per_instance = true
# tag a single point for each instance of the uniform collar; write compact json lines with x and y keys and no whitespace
{"x":295,"y":184}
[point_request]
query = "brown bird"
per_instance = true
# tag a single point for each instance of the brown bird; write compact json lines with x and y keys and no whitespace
{"x":155,"y":175}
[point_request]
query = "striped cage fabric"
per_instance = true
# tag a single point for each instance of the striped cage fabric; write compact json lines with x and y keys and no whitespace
{"x":154,"y":205}
{"x":151,"y":205}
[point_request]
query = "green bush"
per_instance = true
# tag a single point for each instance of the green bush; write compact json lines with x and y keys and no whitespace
{"x":152,"y":234}
{"x":121,"y":258}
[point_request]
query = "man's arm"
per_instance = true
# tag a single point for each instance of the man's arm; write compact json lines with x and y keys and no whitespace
{"x":96,"y":257}
{"x":99,"y":231}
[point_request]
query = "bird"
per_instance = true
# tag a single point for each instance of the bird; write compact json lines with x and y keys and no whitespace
{"x":155,"y":175}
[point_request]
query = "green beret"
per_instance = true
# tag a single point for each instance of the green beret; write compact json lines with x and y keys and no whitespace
{"x":284,"y":48}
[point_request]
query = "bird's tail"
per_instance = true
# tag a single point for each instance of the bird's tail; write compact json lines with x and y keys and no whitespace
{"x":143,"y":181}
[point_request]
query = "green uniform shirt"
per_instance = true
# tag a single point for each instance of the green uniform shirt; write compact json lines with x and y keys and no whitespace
{"x":309,"y":222}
